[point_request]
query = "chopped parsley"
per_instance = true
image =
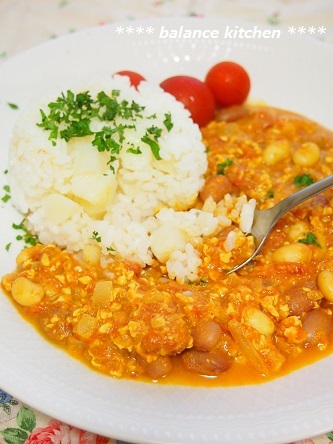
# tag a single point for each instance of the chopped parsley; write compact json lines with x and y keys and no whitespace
{"x":167,"y":121}
{"x":310,"y":239}
{"x":270,"y":193}
{"x":28,"y":238}
{"x":5,"y":198}
{"x":303,"y":180}
{"x":222,"y":166}
{"x":151,"y":138}
{"x":95,"y":236}
{"x":12,"y":105}
{"x":71,"y":115}
{"x":134,"y":150}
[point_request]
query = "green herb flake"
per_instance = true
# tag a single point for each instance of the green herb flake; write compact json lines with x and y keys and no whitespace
{"x":110,"y":249}
{"x":12,"y":105}
{"x":28,"y":238}
{"x":7,"y":247}
{"x":303,"y":180}
{"x":222,"y":166}
{"x":5,"y":198}
{"x":270,"y":194}
{"x":167,"y":121}
{"x":150,"y":138}
{"x":134,"y":150}
{"x":71,"y":116}
{"x":96,"y":236}
{"x":310,"y":239}
{"x":154,"y":146}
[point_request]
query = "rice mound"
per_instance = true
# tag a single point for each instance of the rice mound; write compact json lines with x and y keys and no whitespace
{"x":139,"y":208}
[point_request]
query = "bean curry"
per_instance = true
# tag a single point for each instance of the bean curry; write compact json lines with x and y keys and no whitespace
{"x":269,"y":318}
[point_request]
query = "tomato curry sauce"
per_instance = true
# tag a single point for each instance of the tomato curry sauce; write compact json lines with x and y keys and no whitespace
{"x":271,"y":317}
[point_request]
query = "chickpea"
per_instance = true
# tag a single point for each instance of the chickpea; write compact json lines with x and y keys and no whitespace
{"x":325,"y":284}
{"x":276,"y":152}
{"x":23,"y":256}
{"x":297,"y":231}
{"x":216,"y":187}
{"x":308,"y":155}
{"x":26,"y":292}
{"x":294,"y":252}
{"x":258,"y":320}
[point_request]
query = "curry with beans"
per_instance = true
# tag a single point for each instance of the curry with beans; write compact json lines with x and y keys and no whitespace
{"x":274,"y":315}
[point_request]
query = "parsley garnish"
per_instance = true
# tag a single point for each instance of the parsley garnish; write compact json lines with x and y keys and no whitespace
{"x":303,"y":180}
{"x":71,"y":116}
{"x":5,"y":198}
{"x":12,"y":105}
{"x":95,"y":236}
{"x":222,"y":166}
{"x":150,"y":138}
{"x":134,"y":150}
{"x":167,"y":121}
{"x":270,"y":194}
{"x":310,"y":239}
{"x":26,"y":237}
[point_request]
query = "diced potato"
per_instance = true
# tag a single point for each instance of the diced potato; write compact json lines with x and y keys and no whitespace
{"x":91,"y":254}
{"x":167,"y":166}
{"x":59,"y":208}
{"x":136,"y":162}
{"x":86,"y":326}
{"x":26,"y":292}
{"x":165,"y":240}
{"x":96,"y":189}
{"x":90,"y":161}
{"x":102,"y":293}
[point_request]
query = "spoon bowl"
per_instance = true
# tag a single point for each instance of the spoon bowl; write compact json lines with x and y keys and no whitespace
{"x":265,"y":220}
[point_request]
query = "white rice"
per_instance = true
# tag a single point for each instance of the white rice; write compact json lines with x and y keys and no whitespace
{"x":69,"y":202}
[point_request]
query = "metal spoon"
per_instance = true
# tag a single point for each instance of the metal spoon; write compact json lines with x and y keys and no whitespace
{"x":264,"y":220}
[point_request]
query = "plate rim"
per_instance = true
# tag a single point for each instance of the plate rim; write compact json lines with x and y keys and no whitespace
{"x":14,"y":390}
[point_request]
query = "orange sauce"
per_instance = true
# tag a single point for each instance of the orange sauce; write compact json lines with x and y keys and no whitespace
{"x":145,"y":317}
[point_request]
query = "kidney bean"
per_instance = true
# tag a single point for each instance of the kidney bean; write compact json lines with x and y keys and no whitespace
{"x":318,"y":324}
{"x":210,"y":363}
{"x":231,"y":113}
{"x":217,"y":187}
{"x":159,"y":368}
{"x":206,"y":335}
{"x":299,"y":302}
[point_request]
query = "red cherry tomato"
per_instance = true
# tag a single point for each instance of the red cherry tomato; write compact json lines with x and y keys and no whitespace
{"x":134,"y":77}
{"x":195,"y":96}
{"x":229,"y":83}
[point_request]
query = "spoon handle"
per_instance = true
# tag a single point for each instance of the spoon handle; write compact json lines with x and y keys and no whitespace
{"x":300,"y":196}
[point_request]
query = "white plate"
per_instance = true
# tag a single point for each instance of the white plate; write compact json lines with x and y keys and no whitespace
{"x":288,"y":72}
